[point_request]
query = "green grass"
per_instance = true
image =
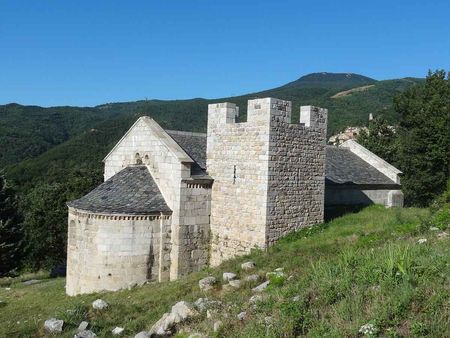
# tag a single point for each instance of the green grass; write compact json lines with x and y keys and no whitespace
{"x":362,"y":268}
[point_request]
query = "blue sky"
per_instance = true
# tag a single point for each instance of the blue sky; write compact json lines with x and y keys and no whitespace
{"x":91,"y":52}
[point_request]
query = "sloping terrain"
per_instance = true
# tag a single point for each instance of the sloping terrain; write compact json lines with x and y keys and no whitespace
{"x":379,"y":267}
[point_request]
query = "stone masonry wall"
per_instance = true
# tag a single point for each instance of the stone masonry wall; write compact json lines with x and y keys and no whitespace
{"x":237,"y":155}
{"x":144,"y":142}
{"x":268,"y":174}
{"x":296,"y":171}
{"x":113,"y":252}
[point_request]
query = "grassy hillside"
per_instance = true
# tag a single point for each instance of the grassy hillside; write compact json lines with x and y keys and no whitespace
{"x":362,"y":268}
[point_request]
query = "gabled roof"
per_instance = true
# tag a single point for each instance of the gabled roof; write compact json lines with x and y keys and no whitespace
{"x":132,"y":191}
{"x":194,"y":144}
{"x":168,"y":141}
{"x":342,"y":166}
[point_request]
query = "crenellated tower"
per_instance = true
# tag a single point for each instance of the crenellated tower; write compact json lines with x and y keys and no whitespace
{"x":268,"y":174}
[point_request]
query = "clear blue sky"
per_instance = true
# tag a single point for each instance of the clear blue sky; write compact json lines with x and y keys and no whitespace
{"x":91,"y":52}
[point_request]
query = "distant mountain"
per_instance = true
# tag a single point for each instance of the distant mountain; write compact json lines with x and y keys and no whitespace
{"x":46,"y":144}
{"x":330,"y":81}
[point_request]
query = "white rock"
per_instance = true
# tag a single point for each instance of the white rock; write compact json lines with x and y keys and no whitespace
{"x":252,"y":278}
{"x":203,"y":304}
{"x":142,"y":334}
{"x":422,"y":241}
{"x":181,"y":311}
{"x":261,"y":287}
{"x":296,"y":298}
{"x":434,"y":229}
{"x":236,"y":283}
{"x":248,"y":265}
{"x":53,"y":325}
{"x":85,"y":334}
{"x":279,"y":270}
{"x":207,"y":283}
{"x":368,"y":329}
{"x":117,"y":331}
{"x":255,"y":298}
{"x":227,"y":276}
{"x":99,"y":304}
{"x":241,"y":316}
{"x":83,"y":326}
{"x":217,"y":326}
{"x":184,"y":310}
{"x":275,"y":274}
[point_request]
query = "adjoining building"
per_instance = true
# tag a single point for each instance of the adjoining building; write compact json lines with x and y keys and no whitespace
{"x":174,"y":202}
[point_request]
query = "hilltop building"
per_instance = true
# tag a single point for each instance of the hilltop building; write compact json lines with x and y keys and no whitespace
{"x":174,"y":202}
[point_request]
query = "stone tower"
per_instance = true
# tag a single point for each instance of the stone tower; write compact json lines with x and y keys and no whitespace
{"x":269,"y":174}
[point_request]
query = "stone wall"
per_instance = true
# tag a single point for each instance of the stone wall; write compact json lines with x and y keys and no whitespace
{"x":169,"y":166}
{"x":355,"y":195}
{"x":268,"y":174}
{"x":296,"y":170}
{"x":237,"y":159}
{"x":113,"y":252}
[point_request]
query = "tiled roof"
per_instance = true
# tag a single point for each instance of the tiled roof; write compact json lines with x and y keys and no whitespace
{"x":343,"y":166}
{"x":132,"y":191}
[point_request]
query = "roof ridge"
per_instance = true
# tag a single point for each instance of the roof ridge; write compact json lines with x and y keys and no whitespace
{"x":187,"y":133}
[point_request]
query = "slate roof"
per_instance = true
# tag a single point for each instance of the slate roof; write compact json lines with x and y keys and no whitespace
{"x":194,"y":144}
{"x":132,"y":191}
{"x":344,"y":167}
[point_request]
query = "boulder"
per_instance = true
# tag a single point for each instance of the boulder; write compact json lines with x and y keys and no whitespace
{"x":261,"y":287}
{"x":85,"y":334}
{"x":53,"y":325}
{"x":207,"y":283}
{"x":227,"y":276}
{"x":31,"y":282}
{"x":236,"y":283}
{"x":83,"y":326}
{"x":252,"y":278}
{"x":204,"y":304}
{"x":248,"y":265}
{"x":217,"y":326}
{"x":241,"y":316}
{"x":180,"y":312}
{"x":117,"y":331}
{"x":142,"y":334}
{"x":184,"y":310}
{"x":99,"y":304}
{"x":255,"y":298}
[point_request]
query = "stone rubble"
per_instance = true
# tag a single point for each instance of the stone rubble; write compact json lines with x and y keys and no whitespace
{"x":83,"y":326}
{"x":85,"y":334}
{"x":248,"y":266}
{"x":261,"y":287}
{"x":117,"y":331}
{"x":53,"y":325}
{"x":180,"y":312}
{"x":242,"y":316}
{"x":227,"y":276}
{"x":207,"y":283}
{"x":252,"y":278}
{"x":99,"y":304}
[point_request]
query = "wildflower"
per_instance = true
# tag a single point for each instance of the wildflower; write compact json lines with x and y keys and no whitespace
{"x":368,"y":329}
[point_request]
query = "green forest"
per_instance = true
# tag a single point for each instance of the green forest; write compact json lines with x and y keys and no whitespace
{"x":52,"y":155}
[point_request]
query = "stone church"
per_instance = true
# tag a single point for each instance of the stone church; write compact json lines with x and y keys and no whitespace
{"x":174,"y":202}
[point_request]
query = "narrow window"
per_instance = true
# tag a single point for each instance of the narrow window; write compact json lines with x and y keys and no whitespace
{"x":234,"y":175}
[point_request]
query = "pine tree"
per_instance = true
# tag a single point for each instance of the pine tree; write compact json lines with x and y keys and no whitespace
{"x":10,"y":229}
{"x":424,"y":138}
